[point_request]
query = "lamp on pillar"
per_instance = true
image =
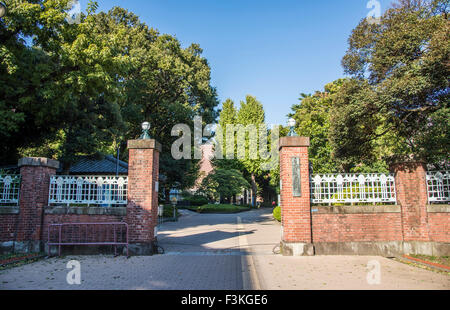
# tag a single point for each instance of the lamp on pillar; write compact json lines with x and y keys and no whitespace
{"x":145,"y":128}
{"x":3,"y":10}
{"x":291,"y":124}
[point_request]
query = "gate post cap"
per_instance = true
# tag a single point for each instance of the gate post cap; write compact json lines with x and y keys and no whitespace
{"x":294,"y":142}
{"x":145,"y":144}
{"x":38,"y":162}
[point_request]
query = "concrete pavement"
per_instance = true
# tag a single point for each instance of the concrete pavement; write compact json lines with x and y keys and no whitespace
{"x":221,"y":252}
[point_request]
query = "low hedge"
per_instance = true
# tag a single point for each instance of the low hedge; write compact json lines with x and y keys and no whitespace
{"x":197,"y":200}
{"x":219,"y":209}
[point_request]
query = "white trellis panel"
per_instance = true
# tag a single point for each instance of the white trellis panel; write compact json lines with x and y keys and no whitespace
{"x":438,"y":184}
{"x":9,"y":189}
{"x":353,"y":188}
{"x":88,"y":190}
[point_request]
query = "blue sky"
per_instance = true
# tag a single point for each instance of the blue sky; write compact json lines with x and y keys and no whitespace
{"x":273,"y":50}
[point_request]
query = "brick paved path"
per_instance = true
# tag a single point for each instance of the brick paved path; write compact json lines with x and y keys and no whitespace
{"x":220,"y":252}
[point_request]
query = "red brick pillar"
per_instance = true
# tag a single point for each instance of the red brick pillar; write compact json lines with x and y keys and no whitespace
{"x":142,"y":209}
{"x":295,"y":197}
{"x":412,"y":196}
{"x":36,"y":173}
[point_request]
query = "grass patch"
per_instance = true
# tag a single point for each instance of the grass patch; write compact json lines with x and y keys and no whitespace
{"x":442,"y":260}
{"x":219,"y":209}
{"x":14,"y":260}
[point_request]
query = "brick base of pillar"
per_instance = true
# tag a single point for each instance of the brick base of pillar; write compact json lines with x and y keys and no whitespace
{"x":297,"y":249}
{"x":22,"y":247}
{"x":143,"y":248}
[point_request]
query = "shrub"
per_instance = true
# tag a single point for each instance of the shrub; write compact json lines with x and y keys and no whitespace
{"x":168,"y":211}
{"x":277,"y":213}
{"x":197,"y":200}
{"x":219,"y":209}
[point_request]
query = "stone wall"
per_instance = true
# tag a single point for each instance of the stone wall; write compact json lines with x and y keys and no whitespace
{"x":412,"y":226}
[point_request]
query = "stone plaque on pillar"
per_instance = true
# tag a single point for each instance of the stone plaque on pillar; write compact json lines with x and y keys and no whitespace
{"x":296,"y":178}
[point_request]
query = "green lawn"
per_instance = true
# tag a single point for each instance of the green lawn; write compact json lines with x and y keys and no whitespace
{"x":219,"y":209}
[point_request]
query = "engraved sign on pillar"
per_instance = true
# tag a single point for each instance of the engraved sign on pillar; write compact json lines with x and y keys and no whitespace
{"x":296,"y":177}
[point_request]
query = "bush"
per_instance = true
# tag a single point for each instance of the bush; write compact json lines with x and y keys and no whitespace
{"x":219,"y":209}
{"x":168,"y":211}
{"x":277,"y":213}
{"x":197,"y":200}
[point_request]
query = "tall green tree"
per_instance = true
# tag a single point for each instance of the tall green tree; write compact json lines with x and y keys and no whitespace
{"x":251,"y":112}
{"x":78,"y":89}
{"x":399,"y":89}
{"x":313,"y":120}
{"x":165,"y":85}
{"x":66,"y":80}
{"x":228,"y":116}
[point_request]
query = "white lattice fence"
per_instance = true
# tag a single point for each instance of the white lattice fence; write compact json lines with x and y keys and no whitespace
{"x":438,"y":184}
{"x":353,"y":188}
{"x":88,"y":190}
{"x":9,"y":189}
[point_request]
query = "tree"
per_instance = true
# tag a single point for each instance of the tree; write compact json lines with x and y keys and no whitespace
{"x":313,"y":120}
{"x":251,"y":112}
{"x":80,"y":89}
{"x":65,"y":81}
{"x":224,"y":184}
{"x":165,"y":85}
{"x":399,"y":89}
{"x":228,"y":116}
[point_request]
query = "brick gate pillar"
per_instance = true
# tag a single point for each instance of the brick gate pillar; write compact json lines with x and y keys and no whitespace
{"x":412,"y":196}
{"x":142,"y":208}
{"x":34,"y":188}
{"x":295,"y":197}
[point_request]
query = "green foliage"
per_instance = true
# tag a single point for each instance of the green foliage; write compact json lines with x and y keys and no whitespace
{"x":168,"y":211}
{"x":316,"y":118}
{"x":224,"y":183}
{"x":313,"y":116}
{"x":251,"y":112}
{"x":220,"y":209}
{"x":228,"y":116}
{"x":397,"y":103}
{"x":196,"y":200}
{"x":80,"y":89}
{"x":277,"y":213}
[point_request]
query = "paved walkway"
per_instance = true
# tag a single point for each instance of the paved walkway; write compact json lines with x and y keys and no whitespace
{"x":221,"y":252}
